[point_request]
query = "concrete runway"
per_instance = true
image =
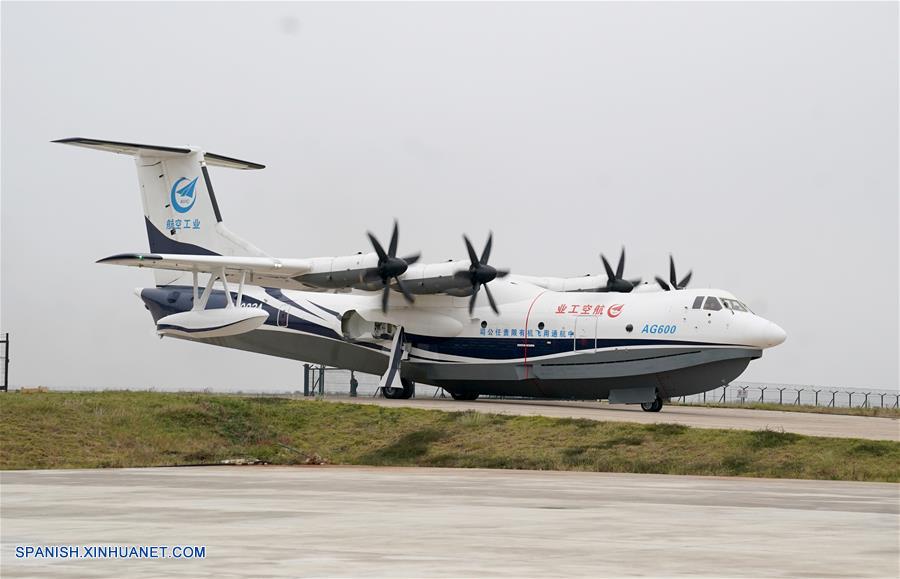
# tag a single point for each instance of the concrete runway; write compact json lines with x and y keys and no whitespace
{"x":419,"y":522}
{"x":834,"y":425}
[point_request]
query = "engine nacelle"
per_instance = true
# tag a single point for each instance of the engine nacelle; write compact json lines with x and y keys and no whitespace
{"x":339,"y":272}
{"x":211,"y":323}
{"x":433,"y":278}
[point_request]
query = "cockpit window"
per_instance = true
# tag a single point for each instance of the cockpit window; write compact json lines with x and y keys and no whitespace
{"x":712,"y":304}
{"x":698,"y":302}
{"x":734,"y":305}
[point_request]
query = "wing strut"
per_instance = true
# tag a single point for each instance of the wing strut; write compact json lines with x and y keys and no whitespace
{"x":200,"y":300}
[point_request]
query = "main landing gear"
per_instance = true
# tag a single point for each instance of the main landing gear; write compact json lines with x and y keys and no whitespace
{"x":464,"y":396}
{"x":405,"y":392}
{"x":654,"y":406}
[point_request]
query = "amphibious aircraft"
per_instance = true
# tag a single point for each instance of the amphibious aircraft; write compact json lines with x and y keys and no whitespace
{"x":461,"y":325}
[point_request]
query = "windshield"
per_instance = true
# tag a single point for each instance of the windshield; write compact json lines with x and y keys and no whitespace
{"x":735,"y":305}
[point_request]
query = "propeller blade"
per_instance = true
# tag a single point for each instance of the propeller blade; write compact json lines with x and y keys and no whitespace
{"x":392,"y":248}
{"x":412,"y":259}
{"x":473,"y":257}
{"x":502,"y":272}
{"x":382,"y":256}
{"x":609,"y":272}
{"x":662,"y":283}
{"x":385,"y":294}
{"x":685,"y":281}
{"x":486,"y":254}
{"x":474,"y":296}
{"x":487,"y":290}
{"x":409,"y":297}
{"x":635,"y":282}
{"x":672,"y":277}
{"x":620,"y":269}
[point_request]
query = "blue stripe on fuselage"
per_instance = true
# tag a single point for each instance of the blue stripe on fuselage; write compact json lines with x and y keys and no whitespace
{"x":492,"y":348}
{"x":164,"y":301}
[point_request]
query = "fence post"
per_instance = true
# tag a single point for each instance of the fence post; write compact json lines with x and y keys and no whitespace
{"x":306,"y":379}
{"x":850,"y":399}
{"x":797,"y":401}
{"x":321,"y":379}
{"x":722,"y":400}
{"x":833,"y":394}
{"x":817,"y":396}
{"x":762,"y":394}
{"x":5,"y":362}
{"x":781,"y":395}
{"x":866,"y":401}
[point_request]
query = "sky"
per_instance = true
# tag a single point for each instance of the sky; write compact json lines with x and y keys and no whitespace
{"x":756,"y":142}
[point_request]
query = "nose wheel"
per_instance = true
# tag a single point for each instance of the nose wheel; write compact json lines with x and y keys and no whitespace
{"x":406,"y":391}
{"x":654,"y":406}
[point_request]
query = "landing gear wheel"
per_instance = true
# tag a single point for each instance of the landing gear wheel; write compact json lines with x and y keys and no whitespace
{"x":404,"y":393}
{"x":654,"y":406}
{"x":465,"y":396}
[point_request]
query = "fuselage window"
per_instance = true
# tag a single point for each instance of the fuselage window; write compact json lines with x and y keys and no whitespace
{"x":698,"y":301}
{"x":712,"y":304}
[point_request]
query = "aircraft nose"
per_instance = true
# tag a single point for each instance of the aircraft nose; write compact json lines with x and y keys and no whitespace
{"x":773,"y":335}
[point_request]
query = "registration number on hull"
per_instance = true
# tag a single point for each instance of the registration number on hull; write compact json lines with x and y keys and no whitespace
{"x":659,"y":329}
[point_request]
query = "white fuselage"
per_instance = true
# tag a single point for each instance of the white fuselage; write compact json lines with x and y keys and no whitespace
{"x":539,"y":336}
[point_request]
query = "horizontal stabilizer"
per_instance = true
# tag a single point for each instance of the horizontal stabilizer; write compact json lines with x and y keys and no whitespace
{"x":135,"y":149}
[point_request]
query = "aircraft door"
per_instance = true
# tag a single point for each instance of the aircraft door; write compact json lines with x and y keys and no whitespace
{"x":283,"y":316}
{"x":586,"y":333}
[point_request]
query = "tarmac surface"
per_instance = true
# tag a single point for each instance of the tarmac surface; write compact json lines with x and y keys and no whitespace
{"x":813,"y":424}
{"x":420,"y":522}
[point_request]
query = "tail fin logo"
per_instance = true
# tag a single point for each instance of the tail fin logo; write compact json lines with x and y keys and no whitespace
{"x":183,"y":197}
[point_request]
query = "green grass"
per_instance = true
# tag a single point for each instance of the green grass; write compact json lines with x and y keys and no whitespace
{"x":129,"y":429}
{"x":854,"y":411}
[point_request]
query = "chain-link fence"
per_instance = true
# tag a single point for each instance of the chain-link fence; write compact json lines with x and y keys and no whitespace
{"x":337,"y":382}
{"x":741,"y":393}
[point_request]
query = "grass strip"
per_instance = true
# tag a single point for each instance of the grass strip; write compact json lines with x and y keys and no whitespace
{"x":136,"y":429}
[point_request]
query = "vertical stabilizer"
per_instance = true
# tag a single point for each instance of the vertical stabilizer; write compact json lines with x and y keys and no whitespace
{"x":181,"y":213}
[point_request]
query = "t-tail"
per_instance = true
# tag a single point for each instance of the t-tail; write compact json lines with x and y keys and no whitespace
{"x":180,"y":208}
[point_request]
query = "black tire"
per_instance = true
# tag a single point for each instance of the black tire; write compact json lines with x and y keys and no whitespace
{"x":403,"y":393}
{"x":464,"y":396}
{"x":654,"y":406}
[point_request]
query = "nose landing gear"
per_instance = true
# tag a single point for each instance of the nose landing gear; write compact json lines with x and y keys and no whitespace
{"x":405,"y":392}
{"x":654,"y":406}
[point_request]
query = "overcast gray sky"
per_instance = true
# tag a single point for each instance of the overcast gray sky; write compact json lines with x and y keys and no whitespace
{"x":757,"y":142}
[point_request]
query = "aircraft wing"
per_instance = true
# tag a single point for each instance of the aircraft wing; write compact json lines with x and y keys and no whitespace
{"x":267,"y":271}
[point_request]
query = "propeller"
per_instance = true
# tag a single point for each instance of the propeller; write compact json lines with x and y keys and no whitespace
{"x":615,"y":282}
{"x":673,"y":279}
{"x":390,"y":267}
{"x":480,"y":273}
